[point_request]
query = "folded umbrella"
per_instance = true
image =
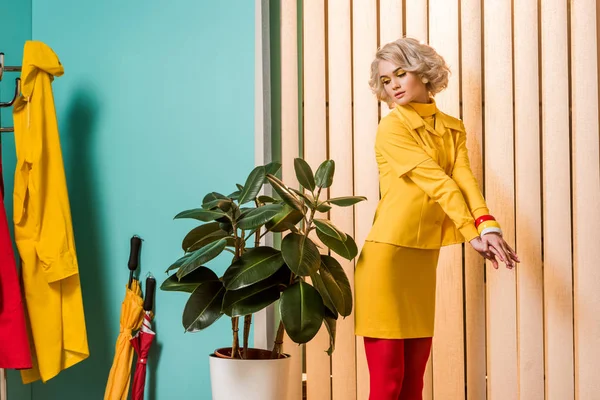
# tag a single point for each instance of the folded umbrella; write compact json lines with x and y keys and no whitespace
{"x":142,"y":342}
{"x":117,"y":386}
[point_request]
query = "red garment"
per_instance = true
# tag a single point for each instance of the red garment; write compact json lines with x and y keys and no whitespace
{"x":396,"y":367}
{"x":14,"y":342}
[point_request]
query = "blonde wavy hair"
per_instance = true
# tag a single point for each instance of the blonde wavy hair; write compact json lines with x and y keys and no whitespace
{"x":411,"y":56}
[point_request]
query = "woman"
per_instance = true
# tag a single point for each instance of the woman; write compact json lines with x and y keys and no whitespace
{"x":429,"y":199}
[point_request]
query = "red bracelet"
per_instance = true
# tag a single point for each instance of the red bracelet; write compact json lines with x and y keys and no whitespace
{"x":483,"y":218}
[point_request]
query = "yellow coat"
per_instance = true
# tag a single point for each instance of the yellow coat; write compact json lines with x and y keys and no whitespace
{"x":429,"y":196}
{"x":43,"y":230}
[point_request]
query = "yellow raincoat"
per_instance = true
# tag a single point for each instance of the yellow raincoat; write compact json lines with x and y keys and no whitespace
{"x":43,"y":229}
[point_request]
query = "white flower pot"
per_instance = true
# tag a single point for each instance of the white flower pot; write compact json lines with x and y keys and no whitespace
{"x":263,"y":379}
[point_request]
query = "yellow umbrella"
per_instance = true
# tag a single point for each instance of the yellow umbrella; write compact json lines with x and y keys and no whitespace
{"x":132,"y":316}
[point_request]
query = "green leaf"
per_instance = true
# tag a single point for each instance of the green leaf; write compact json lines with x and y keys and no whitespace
{"x":337,"y":285}
{"x":190,"y":282}
{"x":255,"y":297}
{"x":324,"y":174}
{"x":201,"y":256}
{"x":284,"y":219}
{"x":178,"y":263}
{"x":317,"y":282}
{"x":203,"y":307}
{"x":304,"y":174}
{"x":272,"y":168}
{"x":213,"y":196}
{"x":222,"y":204}
{"x":302,"y":311}
{"x":253,"y":184}
{"x":202,"y":235}
{"x":330,"y":324}
{"x":346,"y":249}
{"x":235,"y":195}
{"x":266,"y":199}
{"x":253,"y":266}
{"x":226,"y":227}
{"x":306,"y":196}
{"x":259,"y":216}
{"x":327,"y":227}
{"x":346,"y":201}
{"x":322,"y":207}
{"x":201,"y":214}
{"x":286,"y":195}
{"x":237,"y":304}
{"x":300,"y":254}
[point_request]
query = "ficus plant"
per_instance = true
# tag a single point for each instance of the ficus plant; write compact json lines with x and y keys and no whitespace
{"x":260,"y":275}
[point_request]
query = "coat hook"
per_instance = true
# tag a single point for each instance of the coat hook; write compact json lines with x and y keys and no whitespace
{"x":17,"y":92}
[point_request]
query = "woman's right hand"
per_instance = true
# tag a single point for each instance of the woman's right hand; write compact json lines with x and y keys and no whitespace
{"x":485,"y":251}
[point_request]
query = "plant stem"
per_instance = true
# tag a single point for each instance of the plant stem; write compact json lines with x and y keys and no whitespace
{"x":247,"y":324}
{"x":235,"y":347}
{"x":276,"y":352}
{"x":312,"y":217}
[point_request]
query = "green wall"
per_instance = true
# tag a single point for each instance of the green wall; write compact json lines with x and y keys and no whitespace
{"x":155,"y":109}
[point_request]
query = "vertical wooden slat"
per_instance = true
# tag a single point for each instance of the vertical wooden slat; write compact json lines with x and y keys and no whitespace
{"x":340,"y":150}
{"x":364,"y":40}
{"x":3,"y":384}
{"x":263,"y":319}
{"x":448,"y":343}
{"x":499,"y":189}
{"x":290,"y":148}
{"x":558,"y":294}
{"x":530,"y":321}
{"x":390,"y":21}
{"x":416,"y":19}
{"x":472,"y":115}
{"x":390,"y":29}
{"x":586,"y":197}
{"x":417,"y":27}
{"x":318,"y":381}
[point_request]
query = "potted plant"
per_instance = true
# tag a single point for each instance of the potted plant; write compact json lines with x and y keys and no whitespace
{"x":260,"y":275}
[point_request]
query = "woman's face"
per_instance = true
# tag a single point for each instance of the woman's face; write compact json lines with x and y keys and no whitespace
{"x":402,"y":87}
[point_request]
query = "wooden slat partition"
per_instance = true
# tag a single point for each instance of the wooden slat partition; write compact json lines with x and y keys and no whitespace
{"x":343,"y":363}
{"x":390,"y":29}
{"x":472,"y":114}
{"x":318,"y":372}
{"x":416,"y":19}
{"x":556,"y":186}
{"x":365,"y":116}
{"x":532,"y":121}
{"x":530,"y":297}
{"x":416,"y":26}
{"x":290,"y":147}
{"x":499,"y":190}
{"x":448,"y":342}
{"x":586,"y":197}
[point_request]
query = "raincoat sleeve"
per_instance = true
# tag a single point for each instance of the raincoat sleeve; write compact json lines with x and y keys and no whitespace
{"x":464,"y":178}
{"x":401,"y":150}
{"x":54,"y":245}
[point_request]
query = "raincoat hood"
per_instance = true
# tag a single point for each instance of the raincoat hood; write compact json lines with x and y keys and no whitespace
{"x":38,"y":57}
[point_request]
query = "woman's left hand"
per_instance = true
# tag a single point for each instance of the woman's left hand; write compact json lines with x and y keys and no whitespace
{"x":496,"y":243}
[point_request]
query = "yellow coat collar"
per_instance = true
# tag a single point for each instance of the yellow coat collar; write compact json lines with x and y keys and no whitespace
{"x":415,"y":121}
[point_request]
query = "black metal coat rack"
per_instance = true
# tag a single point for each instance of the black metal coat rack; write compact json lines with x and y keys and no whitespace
{"x":3,"y":69}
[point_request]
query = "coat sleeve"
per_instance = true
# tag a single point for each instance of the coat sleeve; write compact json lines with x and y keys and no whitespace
{"x":49,"y":201}
{"x":409,"y":159}
{"x":464,"y":178}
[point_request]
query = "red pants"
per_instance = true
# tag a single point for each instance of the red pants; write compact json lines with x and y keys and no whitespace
{"x":396,"y":367}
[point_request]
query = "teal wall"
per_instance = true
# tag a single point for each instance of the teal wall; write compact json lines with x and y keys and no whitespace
{"x":155,"y":109}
